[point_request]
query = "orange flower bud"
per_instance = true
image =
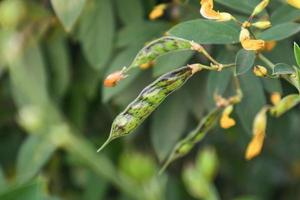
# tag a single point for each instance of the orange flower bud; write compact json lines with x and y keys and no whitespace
{"x":259,"y":70}
{"x":112,"y":79}
{"x":157,"y":11}
{"x":226,"y":121}
{"x":269,"y":45}
{"x":275,"y":98}
{"x":294,"y":3}
{"x":259,"y":131}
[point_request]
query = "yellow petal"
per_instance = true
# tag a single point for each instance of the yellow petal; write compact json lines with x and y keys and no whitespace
{"x":226,"y":121}
{"x":253,"y":45}
{"x":224,"y":16}
{"x":244,"y":34}
{"x":262,"y":24}
{"x":294,"y":3}
{"x":259,"y":70}
{"x":208,"y":12}
{"x":275,"y":98}
{"x":255,"y":146}
{"x":157,"y":11}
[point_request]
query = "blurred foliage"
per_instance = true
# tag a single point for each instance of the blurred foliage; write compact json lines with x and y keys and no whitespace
{"x":54,"y":55}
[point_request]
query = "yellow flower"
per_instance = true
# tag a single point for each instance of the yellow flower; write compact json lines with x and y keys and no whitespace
{"x":275,"y":98}
{"x":157,"y":11}
{"x":147,"y":65}
{"x":248,"y":43}
{"x":259,"y":132}
{"x":260,"y":7}
{"x":294,"y":3}
{"x":259,"y":70}
{"x":226,"y":121}
{"x":208,"y":12}
{"x":262,"y":24}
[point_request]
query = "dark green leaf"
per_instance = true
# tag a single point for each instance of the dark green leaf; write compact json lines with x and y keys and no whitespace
{"x":96,"y":32}
{"x":280,"y":31}
{"x":68,"y":11}
{"x":245,"y":6}
{"x":272,"y":85}
{"x":284,"y":13}
{"x":297,"y":53}
{"x":207,"y":31}
{"x":171,"y":61}
{"x":168,"y":125}
{"x":282,"y":68}
{"x":130,"y":11}
{"x":2,"y":180}
{"x":244,"y":61}
{"x":253,"y":99}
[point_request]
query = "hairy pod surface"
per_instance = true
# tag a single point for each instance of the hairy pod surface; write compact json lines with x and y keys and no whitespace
{"x":147,"y":101}
{"x":160,"y":47}
{"x":184,"y":146}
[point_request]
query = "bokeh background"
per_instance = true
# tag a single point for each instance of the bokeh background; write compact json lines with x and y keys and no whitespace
{"x":55,"y":112}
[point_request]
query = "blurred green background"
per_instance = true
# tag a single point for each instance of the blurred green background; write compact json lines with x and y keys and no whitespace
{"x":55,"y":112}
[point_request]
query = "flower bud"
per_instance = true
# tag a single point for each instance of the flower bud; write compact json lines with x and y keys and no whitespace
{"x":259,"y":70}
{"x":112,"y":79}
{"x":262,"y":24}
{"x":260,"y":7}
{"x":157,"y":11}
{"x":275,"y":98}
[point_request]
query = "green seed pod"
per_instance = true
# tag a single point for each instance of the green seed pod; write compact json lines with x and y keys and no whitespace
{"x":148,"y":100}
{"x":184,"y":146}
{"x":158,"y":48}
{"x":285,"y":104}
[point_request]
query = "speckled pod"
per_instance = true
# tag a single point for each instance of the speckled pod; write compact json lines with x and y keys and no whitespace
{"x":184,"y":146}
{"x":158,"y":48}
{"x":147,"y":101}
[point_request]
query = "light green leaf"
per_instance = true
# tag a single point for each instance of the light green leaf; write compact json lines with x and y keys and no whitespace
{"x":34,"y":190}
{"x":207,"y":31}
{"x":171,"y":61}
{"x":297,"y":53}
{"x":280,"y":31}
{"x":168,"y":124}
{"x":96,"y":32}
{"x":33,"y":155}
{"x":130,"y":11}
{"x":68,"y":11}
{"x":244,"y":61}
{"x":282,"y":68}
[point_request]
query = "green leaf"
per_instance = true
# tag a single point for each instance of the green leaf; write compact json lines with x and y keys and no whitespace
{"x":207,"y":31}
{"x":284,"y":13}
{"x":253,"y":99}
{"x":280,"y":31}
{"x":244,"y":61}
{"x":34,"y":190}
{"x":272,"y":85}
{"x":245,"y":6}
{"x":297,"y":53}
{"x":282,"y":68}
{"x":2,"y":180}
{"x":122,"y":59}
{"x":96,"y":32}
{"x":130,"y":11}
{"x":171,"y":61}
{"x":68,"y":11}
{"x":28,"y":77}
{"x":140,"y":32}
{"x":59,"y":60}
{"x":33,"y":155}
{"x":168,"y":124}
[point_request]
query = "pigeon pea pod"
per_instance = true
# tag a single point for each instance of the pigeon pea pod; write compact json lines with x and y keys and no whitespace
{"x":158,"y":48}
{"x":285,"y":104}
{"x":184,"y":146}
{"x":148,"y":100}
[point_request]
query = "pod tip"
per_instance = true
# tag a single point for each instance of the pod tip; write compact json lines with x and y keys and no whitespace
{"x":104,"y":145}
